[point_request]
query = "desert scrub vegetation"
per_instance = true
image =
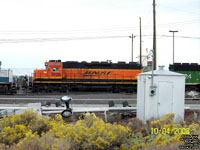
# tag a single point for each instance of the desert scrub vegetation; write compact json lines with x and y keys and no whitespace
{"x":30,"y":131}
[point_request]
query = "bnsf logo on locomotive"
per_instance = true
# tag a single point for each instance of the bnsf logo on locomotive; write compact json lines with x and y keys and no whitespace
{"x":91,"y":73}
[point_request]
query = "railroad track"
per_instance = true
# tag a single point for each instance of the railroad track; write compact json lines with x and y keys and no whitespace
{"x":80,"y":101}
{"x":74,"y":101}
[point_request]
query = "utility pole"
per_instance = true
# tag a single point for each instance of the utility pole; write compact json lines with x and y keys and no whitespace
{"x":154,"y":34}
{"x":132,"y":46}
{"x":173,"y":42}
{"x":140,"y":42}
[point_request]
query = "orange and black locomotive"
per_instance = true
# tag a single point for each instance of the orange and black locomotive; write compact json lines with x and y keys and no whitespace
{"x":63,"y":76}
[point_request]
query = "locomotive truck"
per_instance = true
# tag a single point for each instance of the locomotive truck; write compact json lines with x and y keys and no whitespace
{"x":63,"y":76}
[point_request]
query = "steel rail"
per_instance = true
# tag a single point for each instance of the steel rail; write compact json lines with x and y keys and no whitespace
{"x":86,"y":99}
{"x":18,"y":98}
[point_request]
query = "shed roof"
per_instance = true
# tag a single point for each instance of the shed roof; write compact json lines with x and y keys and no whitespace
{"x":162,"y":73}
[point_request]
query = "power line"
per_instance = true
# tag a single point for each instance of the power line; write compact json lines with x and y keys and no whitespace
{"x":79,"y":38}
{"x":187,"y":37}
{"x":56,"y":39}
{"x":101,"y":30}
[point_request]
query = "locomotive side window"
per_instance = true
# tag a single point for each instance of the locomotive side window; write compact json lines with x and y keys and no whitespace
{"x":55,"y":69}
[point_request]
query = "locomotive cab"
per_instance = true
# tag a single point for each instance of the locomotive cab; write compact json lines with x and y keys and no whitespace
{"x":54,"y":68}
{"x":48,"y":79}
{"x":53,"y":71}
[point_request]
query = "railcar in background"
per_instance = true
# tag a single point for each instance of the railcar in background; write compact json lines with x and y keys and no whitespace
{"x":64,"y":76}
{"x":7,"y":84}
{"x":192,"y":72}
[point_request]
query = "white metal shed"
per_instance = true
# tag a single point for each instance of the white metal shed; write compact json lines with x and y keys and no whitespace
{"x":162,"y":94}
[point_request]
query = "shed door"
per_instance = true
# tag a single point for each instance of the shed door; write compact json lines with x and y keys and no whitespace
{"x":165,"y":98}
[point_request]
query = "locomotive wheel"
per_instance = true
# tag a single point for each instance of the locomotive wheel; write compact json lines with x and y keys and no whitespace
{"x":113,"y":90}
{"x":35,"y":91}
{"x":48,"y":90}
{"x":109,"y":90}
{"x":130,"y":90}
{"x":64,"y":90}
{"x":5,"y":89}
{"x":116,"y":90}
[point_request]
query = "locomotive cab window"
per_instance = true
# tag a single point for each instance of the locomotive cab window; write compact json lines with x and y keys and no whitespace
{"x":55,"y":69}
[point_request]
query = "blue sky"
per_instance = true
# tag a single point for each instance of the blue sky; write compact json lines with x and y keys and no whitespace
{"x":67,"y":19}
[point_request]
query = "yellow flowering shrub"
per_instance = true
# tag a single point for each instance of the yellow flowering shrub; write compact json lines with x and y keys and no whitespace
{"x":25,"y":119}
{"x":14,"y":127}
{"x":92,"y":133}
{"x":195,"y":128}
{"x":167,"y":119}
{"x":10,"y":135}
{"x":40,"y":125}
{"x":168,"y":133}
{"x":45,"y":142}
{"x":32,"y":131}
